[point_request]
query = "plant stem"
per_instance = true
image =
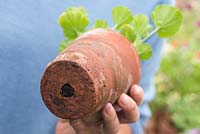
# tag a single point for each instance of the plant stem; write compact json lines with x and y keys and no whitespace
{"x":150,"y":34}
{"x":78,"y":33}
{"x":114,"y":27}
{"x":137,"y":41}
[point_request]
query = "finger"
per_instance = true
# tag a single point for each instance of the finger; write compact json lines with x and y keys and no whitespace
{"x":111,"y":122}
{"x":125,"y":129}
{"x":137,"y":93}
{"x":129,"y":112}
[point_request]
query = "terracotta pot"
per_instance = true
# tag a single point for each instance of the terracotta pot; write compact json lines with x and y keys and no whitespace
{"x":94,"y":70}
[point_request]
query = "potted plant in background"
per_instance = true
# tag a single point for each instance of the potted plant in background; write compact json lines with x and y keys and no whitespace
{"x":176,"y":104}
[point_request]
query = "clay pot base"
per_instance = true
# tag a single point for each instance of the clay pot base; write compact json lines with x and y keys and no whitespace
{"x":68,"y":90}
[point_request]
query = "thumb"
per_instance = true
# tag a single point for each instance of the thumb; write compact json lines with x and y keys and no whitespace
{"x":82,"y":127}
{"x":111,"y":121}
{"x":63,"y":127}
{"x":79,"y":126}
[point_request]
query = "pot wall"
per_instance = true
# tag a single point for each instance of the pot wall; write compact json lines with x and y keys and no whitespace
{"x":94,"y":70}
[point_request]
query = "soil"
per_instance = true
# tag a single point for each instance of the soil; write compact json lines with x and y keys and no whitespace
{"x":161,"y":123}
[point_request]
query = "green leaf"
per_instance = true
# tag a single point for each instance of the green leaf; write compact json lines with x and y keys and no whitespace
{"x":167,"y":20}
{"x":144,"y":50}
{"x":77,"y":9}
{"x":74,"y":22}
{"x":64,"y":44}
{"x":121,"y":15}
{"x":141,"y":25}
{"x":128,"y":32}
{"x":100,"y":24}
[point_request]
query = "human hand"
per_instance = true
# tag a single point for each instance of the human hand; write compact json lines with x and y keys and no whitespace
{"x":129,"y":112}
{"x":113,"y":118}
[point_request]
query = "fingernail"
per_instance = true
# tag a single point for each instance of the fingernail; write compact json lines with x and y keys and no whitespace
{"x":136,"y":89}
{"x":107,"y":108}
{"x":123,"y":99}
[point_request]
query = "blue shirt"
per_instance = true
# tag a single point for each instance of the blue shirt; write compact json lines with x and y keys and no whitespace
{"x":29,"y":38}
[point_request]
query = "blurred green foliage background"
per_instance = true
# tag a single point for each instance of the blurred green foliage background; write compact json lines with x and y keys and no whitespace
{"x":178,"y":80}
